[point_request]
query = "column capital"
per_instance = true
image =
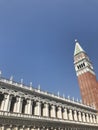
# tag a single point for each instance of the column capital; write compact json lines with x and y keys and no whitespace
{"x":75,"y":111}
{"x":46,"y":104}
{"x":6,"y":95}
{"x":59,"y":106}
{"x":38,"y":102}
{"x":65,"y":108}
{"x":53,"y":105}
{"x":28,"y":101}
{"x":19,"y":97}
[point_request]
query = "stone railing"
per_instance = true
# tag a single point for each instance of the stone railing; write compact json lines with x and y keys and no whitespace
{"x":39,"y":118}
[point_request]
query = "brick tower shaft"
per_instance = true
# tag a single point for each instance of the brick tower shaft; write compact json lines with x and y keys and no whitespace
{"x":86,"y":77}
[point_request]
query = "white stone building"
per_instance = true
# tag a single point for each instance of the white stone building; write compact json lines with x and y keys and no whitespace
{"x":25,"y":108}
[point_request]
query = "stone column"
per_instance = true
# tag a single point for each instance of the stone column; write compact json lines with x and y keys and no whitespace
{"x":11,"y":127}
{"x":53,"y":111}
{"x":37,"y":110}
{"x":28,"y":129}
{"x":3,"y":103}
{"x":28,"y":107}
{"x":65,"y":114}
{"x":94,"y":120}
{"x":79,"y":116}
{"x":87,"y":117}
{"x":5,"y":106}
{"x":75,"y":115}
{"x":70,"y":115}
{"x":18,"y":105}
{"x":46,"y":110}
{"x":2,"y":128}
{"x":32,"y":129}
{"x":59,"y":112}
{"x":83,"y":117}
{"x":91,"y":119}
{"x":21,"y":128}
{"x":97,"y":118}
{"x":16,"y":128}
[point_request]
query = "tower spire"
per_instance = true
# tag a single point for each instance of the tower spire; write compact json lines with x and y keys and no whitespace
{"x":86,"y":76}
{"x":78,"y":48}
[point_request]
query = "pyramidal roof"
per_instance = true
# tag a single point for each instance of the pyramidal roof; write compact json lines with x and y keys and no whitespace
{"x":78,"y":48}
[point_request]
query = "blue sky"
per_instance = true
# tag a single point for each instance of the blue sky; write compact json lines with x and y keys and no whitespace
{"x":37,"y":41}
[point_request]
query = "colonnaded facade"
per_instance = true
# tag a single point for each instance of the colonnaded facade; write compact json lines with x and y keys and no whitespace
{"x":26,"y":108}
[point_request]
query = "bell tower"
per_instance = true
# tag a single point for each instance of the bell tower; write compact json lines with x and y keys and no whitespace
{"x":86,"y":76}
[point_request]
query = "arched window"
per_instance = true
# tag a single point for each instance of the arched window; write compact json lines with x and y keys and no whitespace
{"x":78,"y":67}
{"x":81,"y":65}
